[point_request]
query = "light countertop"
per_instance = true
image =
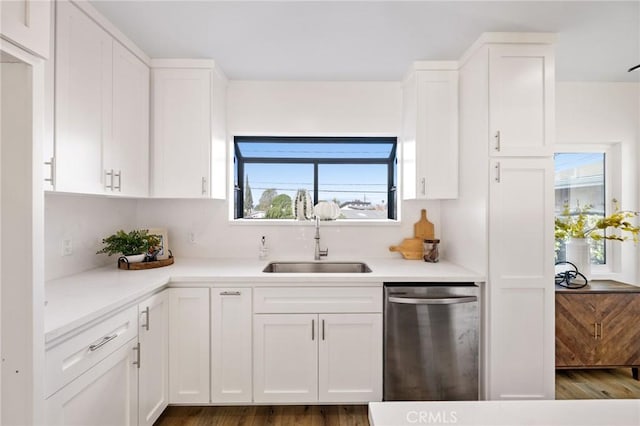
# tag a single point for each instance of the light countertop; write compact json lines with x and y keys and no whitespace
{"x":82,"y":298}
{"x":594,"y":412}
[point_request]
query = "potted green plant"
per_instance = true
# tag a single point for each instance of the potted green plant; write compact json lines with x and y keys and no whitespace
{"x":133,"y":245}
{"x":579,"y":226}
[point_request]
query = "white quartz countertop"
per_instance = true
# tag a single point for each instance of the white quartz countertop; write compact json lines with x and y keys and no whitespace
{"x":600,"y":412}
{"x":79,"y":299}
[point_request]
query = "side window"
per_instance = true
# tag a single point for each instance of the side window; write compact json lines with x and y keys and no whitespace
{"x":357,"y":174}
{"x":580,"y":183}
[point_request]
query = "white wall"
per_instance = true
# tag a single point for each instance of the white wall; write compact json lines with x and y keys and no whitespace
{"x":597,"y":113}
{"x":301,"y":109}
{"x":86,"y":220}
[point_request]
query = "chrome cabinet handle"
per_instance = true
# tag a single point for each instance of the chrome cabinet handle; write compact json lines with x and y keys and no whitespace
{"x":52,"y":171}
{"x":322,"y":329}
{"x":497,"y":168}
{"x":204,"y":186}
{"x":119,"y":176}
{"x":137,"y":349}
{"x":27,"y":13}
{"x":146,"y":314}
{"x":230,"y":293}
{"x":432,"y":301}
{"x":108,"y":174}
{"x":313,"y":329}
{"x":423,"y":182}
{"x":102,"y":342}
{"x":497,"y":137}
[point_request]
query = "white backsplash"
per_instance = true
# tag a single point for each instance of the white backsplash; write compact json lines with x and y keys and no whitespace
{"x":85,"y":220}
{"x":214,"y":235}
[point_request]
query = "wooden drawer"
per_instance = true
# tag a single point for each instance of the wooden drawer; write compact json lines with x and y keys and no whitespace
{"x":70,"y":359}
{"x":316,"y":300}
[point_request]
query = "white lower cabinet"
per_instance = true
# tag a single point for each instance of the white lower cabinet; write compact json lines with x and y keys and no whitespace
{"x":231,"y":345}
{"x":285,"y":358}
{"x":350,"y":357}
{"x":153,"y":374}
{"x":312,"y":357}
{"x":105,"y":395}
{"x":189,"y":346}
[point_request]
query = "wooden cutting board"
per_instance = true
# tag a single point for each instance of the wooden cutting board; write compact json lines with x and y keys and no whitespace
{"x":423,"y":229}
{"x":409,"y":248}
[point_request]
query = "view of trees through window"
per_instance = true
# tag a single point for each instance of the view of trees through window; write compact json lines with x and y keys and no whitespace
{"x":580,"y":181}
{"x":358,"y":174}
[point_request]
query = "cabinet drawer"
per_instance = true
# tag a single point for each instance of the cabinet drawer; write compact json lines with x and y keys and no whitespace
{"x":317,"y":300}
{"x":65,"y":362}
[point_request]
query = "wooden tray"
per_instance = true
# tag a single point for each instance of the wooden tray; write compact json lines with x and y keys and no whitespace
{"x":124,"y":264}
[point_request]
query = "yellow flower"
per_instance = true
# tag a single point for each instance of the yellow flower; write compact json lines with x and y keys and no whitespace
{"x":580,"y":223}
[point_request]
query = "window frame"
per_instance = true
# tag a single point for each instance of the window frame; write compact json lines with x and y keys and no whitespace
{"x":612,"y":189}
{"x":391,"y":162}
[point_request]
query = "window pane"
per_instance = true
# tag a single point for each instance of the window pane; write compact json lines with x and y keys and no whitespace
{"x":314,"y":150}
{"x":580,"y":180}
{"x":270,"y":188}
{"x":361,"y":190}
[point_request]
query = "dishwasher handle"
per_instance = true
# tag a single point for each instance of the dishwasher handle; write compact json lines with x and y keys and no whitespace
{"x":433,"y":300}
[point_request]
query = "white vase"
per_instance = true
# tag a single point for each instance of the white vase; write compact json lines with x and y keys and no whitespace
{"x":135,"y":258}
{"x":578,"y":252}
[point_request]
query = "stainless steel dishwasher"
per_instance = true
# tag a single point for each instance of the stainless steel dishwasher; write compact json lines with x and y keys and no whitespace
{"x":431,"y":342}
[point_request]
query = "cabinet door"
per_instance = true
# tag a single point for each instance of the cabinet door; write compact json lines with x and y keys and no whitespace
{"x":181,"y":133}
{"x":83,"y":101}
{"x":26,"y":23}
{"x":430,"y":135}
{"x":231,"y":345}
{"x":285,"y":358}
{"x":128,"y":152}
{"x":153,"y":335}
{"x":521,"y":102}
{"x":576,"y":331}
{"x":189,"y":345}
{"x":521,"y":287}
{"x":619,"y":338}
{"x":350,"y":358}
{"x":105,"y":395}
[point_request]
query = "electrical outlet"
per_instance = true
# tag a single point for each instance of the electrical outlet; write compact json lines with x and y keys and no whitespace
{"x":67,"y":247}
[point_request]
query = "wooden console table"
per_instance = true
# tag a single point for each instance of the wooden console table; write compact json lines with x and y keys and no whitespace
{"x":598,"y":326}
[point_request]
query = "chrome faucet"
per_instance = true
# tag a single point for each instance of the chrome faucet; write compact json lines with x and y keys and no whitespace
{"x":318,"y":254}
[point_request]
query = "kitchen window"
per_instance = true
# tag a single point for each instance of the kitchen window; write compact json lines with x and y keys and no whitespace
{"x":583,"y":176}
{"x":357,"y":173}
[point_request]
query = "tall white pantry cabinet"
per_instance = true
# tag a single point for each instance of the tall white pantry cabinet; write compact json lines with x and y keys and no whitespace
{"x":506,"y":171}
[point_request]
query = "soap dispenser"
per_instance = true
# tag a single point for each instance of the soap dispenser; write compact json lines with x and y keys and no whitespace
{"x":263,"y":249}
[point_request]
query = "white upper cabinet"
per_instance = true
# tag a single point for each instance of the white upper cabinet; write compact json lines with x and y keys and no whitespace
{"x":128,"y":152}
{"x":430,"y":135}
{"x":101,"y":110}
{"x":83,"y":101}
{"x":27,"y":24}
{"x":188,"y":147}
{"x":521,"y":100}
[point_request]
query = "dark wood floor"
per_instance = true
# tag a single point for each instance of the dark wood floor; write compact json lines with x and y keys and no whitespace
{"x":597,"y":384}
{"x":281,"y":415}
{"x":570,"y":384}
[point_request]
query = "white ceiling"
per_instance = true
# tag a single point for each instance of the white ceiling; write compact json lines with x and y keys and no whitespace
{"x":374,"y":40}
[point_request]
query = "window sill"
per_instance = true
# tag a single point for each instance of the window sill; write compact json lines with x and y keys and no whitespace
{"x":323,"y":223}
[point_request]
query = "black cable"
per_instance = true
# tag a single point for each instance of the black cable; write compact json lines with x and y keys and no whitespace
{"x":633,"y":68}
{"x":567,"y":278}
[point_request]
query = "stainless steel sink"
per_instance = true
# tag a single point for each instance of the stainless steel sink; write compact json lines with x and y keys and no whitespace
{"x":317,"y":267}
